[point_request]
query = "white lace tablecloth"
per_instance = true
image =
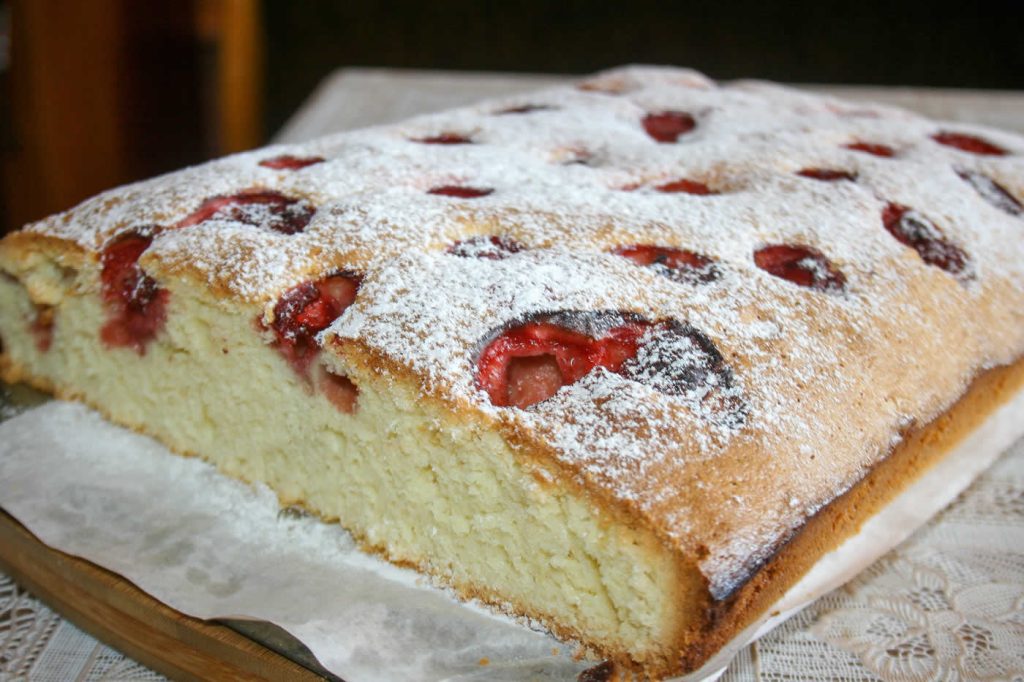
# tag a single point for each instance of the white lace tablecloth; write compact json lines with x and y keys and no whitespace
{"x":946,"y":605}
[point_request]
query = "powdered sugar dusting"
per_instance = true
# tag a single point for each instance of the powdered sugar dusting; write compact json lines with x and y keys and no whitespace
{"x":814,"y":386}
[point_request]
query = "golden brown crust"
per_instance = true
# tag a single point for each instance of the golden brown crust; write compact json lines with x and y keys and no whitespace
{"x":22,"y":246}
{"x":922,"y":447}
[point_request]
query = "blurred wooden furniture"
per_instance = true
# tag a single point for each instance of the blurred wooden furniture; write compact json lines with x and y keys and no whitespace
{"x":104,"y":92}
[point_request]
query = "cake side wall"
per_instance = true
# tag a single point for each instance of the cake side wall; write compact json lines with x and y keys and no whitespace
{"x":923,"y":446}
{"x":209,"y":385}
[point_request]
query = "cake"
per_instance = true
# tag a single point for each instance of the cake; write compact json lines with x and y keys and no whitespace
{"x":624,"y":357}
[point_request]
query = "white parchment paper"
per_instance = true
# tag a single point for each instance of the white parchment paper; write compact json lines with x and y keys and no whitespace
{"x":210,"y":547}
{"x":213,"y":547}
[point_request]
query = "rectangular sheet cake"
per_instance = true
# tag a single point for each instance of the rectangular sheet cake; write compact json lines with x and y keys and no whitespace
{"x":624,"y":357}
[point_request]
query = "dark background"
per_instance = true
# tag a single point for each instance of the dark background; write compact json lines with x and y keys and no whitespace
{"x":96,"y":93}
{"x":973,"y":45}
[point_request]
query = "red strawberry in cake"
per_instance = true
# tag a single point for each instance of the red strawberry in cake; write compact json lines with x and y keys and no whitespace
{"x":669,"y":126}
{"x":491,"y":247}
{"x":136,"y":306}
{"x":992,"y":192}
{"x":680,"y":265}
{"x":530,"y":361}
{"x":460,"y":191}
{"x":873,"y":148}
{"x":289,"y":162}
{"x":267,"y":209}
{"x":913,"y":229}
{"x":801,"y":265}
{"x":968,"y":143}
{"x":306,"y":310}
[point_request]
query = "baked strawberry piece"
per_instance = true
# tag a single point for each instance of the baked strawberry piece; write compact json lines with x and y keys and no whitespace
{"x":915,"y":230}
{"x":268,"y":209}
{"x":444,"y":138}
{"x":873,"y":148}
{"x":800,"y":265}
{"x":306,"y":310}
{"x":289,"y":162}
{"x":826,"y":174}
{"x":669,"y":126}
{"x":491,"y":247}
{"x":530,"y":361}
{"x":460,"y":191}
{"x":678,"y":359}
{"x":680,"y":265}
{"x":968,"y":143}
{"x":525,"y":109}
{"x":685,"y":186}
{"x":992,"y":192}
{"x":136,"y":306}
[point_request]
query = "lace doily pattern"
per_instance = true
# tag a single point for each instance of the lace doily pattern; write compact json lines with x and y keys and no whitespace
{"x":37,"y":644}
{"x":948,"y":604}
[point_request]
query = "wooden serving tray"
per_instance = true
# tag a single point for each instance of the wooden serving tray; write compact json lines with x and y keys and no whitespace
{"x":118,"y":613}
{"x":115,"y":611}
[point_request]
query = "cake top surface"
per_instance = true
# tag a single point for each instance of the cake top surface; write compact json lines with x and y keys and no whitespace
{"x":796,"y":279}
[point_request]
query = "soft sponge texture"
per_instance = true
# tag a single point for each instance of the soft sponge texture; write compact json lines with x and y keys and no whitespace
{"x":412,"y":481}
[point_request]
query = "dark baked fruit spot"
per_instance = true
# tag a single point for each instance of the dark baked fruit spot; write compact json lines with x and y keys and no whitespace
{"x":306,"y":310}
{"x":289,"y":162}
{"x":444,"y":138}
{"x":668,"y":126}
{"x":968,"y":143}
{"x":686,"y":187}
{"x":525,"y":109}
{"x":680,"y":360}
{"x":260,"y":208}
{"x":42,"y":327}
{"x":826,"y":174}
{"x":136,"y":306}
{"x":529,"y":361}
{"x":491,"y":247}
{"x":919,"y":233}
{"x":800,"y":265}
{"x":460,"y":191}
{"x":340,"y":391}
{"x":676,"y":264}
{"x":872,"y":148}
{"x":991,"y":191}
{"x":602,"y":672}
